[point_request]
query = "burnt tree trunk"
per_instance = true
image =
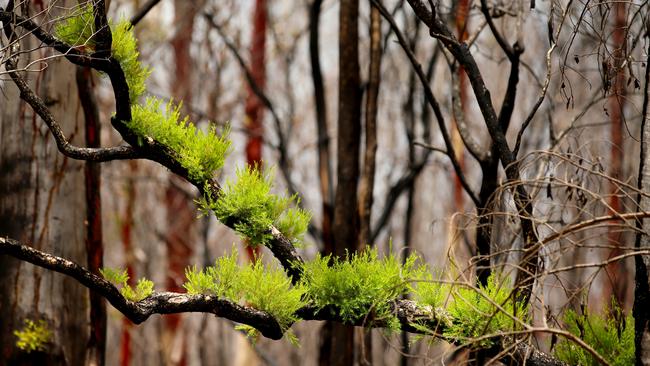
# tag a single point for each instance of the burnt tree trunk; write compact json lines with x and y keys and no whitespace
{"x":42,"y":202}
{"x":339,"y":348}
{"x":254,"y":107}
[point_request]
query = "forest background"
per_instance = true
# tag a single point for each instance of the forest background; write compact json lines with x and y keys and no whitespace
{"x":377,"y":120}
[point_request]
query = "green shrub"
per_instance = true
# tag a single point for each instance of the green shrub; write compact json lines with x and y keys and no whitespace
{"x":475,"y":313}
{"x":611,"y":334}
{"x":78,"y":29}
{"x":125,"y":51}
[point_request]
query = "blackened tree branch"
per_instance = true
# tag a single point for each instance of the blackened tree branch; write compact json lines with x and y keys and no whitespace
{"x":143,"y":11}
{"x":430,"y":98}
{"x":140,"y":147}
{"x":66,"y":148}
{"x":411,"y":316}
{"x":157,"y":303}
{"x":509,"y":51}
{"x":103,"y":37}
{"x":77,"y":57}
{"x":460,"y":51}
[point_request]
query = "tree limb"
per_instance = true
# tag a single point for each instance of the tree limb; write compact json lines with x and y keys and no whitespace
{"x":460,"y":51}
{"x":157,"y":303}
{"x":430,"y":98}
{"x":145,"y":147}
{"x":66,"y":148}
{"x":411,"y":316}
{"x":143,"y":11}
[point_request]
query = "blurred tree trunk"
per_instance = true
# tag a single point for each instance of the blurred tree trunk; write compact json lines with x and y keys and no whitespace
{"x":42,"y":202}
{"x":339,"y":348}
{"x":367,"y":183}
{"x":616,"y":285}
{"x":461,"y":19}
{"x":182,"y":229}
{"x":254,"y":107}
{"x":94,"y":243}
{"x":126,"y":236}
{"x":324,"y":164}
{"x":641,"y":310}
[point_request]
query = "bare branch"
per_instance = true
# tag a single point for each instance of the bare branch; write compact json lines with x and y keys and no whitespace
{"x":66,"y":148}
{"x":430,"y":98}
{"x":468,"y":140}
{"x":460,"y":51}
{"x":143,"y":11}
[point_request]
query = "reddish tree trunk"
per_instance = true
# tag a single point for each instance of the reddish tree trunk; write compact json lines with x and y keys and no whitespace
{"x":462,"y":12}
{"x":617,"y":277}
{"x":254,"y":107}
{"x":127,"y":246}
{"x":94,"y":245}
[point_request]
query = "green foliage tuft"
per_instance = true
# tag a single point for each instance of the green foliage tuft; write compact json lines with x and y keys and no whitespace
{"x":78,"y":30}
{"x":611,"y":334}
{"x":266,"y":288}
{"x":142,"y":290}
{"x":125,"y":51}
{"x":33,"y":336}
{"x":114,"y":276}
{"x":249,"y":204}
{"x":201,"y":153}
{"x":475,"y":313}
{"x":221,"y":280}
{"x":360,"y":284}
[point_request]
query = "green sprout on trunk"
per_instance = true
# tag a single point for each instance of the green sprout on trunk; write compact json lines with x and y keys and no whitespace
{"x":34,"y":336}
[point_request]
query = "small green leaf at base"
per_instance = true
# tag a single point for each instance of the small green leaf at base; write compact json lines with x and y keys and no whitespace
{"x":34,"y":336}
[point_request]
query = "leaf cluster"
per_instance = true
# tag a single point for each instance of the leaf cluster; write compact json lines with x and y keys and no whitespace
{"x":142,"y":289}
{"x":266,"y":288}
{"x":33,"y":336}
{"x":78,"y":30}
{"x":490,"y":310}
{"x":249,"y":204}
{"x":469,"y":312}
{"x":611,"y":334}
{"x":125,"y":51}
{"x":201,"y":153}
{"x":360,"y":284}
